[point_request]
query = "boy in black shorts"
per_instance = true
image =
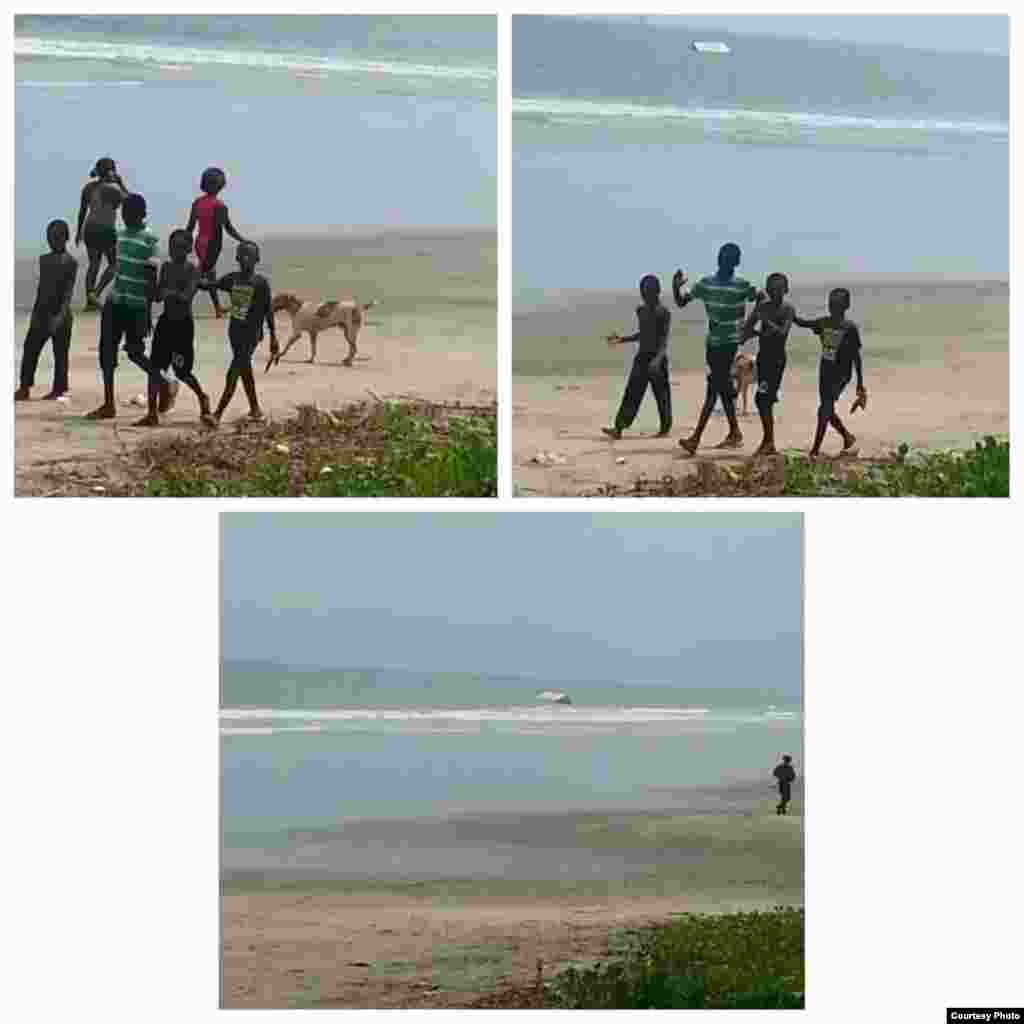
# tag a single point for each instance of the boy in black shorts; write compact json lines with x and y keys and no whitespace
{"x":51,"y":313}
{"x":775,"y":316}
{"x":840,"y":356}
{"x":250,"y":308}
{"x":650,"y":364}
{"x":174,"y":335}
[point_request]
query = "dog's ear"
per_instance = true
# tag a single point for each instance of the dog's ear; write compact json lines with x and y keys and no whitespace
{"x":283,"y":300}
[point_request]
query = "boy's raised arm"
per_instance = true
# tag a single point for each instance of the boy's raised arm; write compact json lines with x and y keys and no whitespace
{"x":228,"y":226}
{"x":681,"y":297}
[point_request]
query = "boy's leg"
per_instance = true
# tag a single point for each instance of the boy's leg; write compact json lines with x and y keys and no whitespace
{"x":61,"y":350}
{"x":724,"y":358}
{"x":691,"y":443}
{"x":826,"y":403}
{"x":34,"y":342}
{"x":662,"y":388}
{"x":249,"y":383}
{"x":636,"y":387}
{"x":230,"y":383}
{"x":111,"y":331}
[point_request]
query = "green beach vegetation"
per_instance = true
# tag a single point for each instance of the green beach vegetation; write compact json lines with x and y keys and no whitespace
{"x":979,"y":472}
{"x":740,"y":961}
{"x":406,"y":448}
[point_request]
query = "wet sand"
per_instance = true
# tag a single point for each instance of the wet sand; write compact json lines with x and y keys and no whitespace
{"x":936,"y":362}
{"x":436,"y":913}
{"x":432,"y":334}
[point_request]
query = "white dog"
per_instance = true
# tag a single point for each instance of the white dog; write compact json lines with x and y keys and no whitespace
{"x":311,"y":318}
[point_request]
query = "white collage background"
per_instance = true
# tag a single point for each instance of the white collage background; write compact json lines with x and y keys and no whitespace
{"x":912,"y":686}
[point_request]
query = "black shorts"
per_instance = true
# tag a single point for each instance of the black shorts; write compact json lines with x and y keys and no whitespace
{"x":719,"y":361}
{"x":785,"y":790}
{"x":243,"y":349}
{"x":832,"y":381}
{"x":770,"y":369}
{"x":100,"y":240}
{"x":173,"y":345}
{"x":116,"y":322}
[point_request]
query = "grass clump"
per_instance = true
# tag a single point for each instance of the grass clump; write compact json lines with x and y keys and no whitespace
{"x":983,"y":472}
{"x":402,"y":448}
{"x":747,"y":960}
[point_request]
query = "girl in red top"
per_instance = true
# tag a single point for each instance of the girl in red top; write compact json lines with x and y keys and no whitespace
{"x":211,"y":215}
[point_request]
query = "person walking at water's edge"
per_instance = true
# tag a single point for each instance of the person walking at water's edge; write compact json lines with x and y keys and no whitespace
{"x":97,"y":224}
{"x":786,"y":775}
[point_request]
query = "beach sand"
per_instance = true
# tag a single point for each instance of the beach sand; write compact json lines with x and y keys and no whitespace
{"x":936,"y":361}
{"x":460,"y":908}
{"x":432,"y":335}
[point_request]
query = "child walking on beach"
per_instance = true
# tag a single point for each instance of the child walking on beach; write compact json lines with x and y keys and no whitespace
{"x":211,"y":215}
{"x":725,"y":297}
{"x":840,"y":356}
{"x":174,"y":335}
{"x":785,"y":774}
{"x":97,"y":225}
{"x":250,"y":308}
{"x":775,"y":316}
{"x":650,"y":364}
{"x":51,"y":314}
{"x":126,"y":314}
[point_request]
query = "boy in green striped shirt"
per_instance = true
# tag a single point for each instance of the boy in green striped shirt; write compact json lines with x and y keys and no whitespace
{"x":126,"y":313}
{"x":725,"y":297}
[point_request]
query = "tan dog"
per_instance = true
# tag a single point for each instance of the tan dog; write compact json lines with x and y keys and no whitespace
{"x":310,"y":318}
{"x":743,"y":376}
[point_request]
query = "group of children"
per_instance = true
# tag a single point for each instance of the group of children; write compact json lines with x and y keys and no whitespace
{"x":725,"y":298}
{"x":137,"y":283}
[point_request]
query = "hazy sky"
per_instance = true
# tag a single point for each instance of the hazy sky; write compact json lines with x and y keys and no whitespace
{"x":961,"y":33}
{"x":687,"y":597}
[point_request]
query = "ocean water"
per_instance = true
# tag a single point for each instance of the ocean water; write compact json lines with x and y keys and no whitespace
{"x":319,"y":121}
{"x":308,"y":752}
{"x":631,"y":153}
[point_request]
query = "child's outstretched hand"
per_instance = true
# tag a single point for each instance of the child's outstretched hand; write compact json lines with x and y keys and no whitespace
{"x":612,"y":340}
{"x":678,"y":279}
{"x":861,"y":401}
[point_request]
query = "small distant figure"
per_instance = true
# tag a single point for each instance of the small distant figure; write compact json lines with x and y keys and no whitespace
{"x":51,"y":314}
{"x":127,"y":312}
{"x":210,"y":214}
{"x":174,"y":335}
{"x":725,"y":297}
{"x":650,"y":364}
{"x":250,"y":309}
{"x":775,"y":317}
{"x":97,"y":224}
{"x":840,"y":356}
{"x":786,"y":775}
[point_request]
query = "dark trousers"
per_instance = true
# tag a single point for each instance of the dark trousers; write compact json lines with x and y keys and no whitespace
{"x":636,"y":387}
{"x":785,"y":794}
{"x":129,"y":323}
{"x":719,"y":362}
{"x":36,"y":339}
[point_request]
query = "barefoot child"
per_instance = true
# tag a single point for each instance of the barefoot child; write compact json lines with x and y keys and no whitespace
{"x":725,"y":297}
{"x":250,"y":308}
{"x":776,"y":317}
{"x":51,"y":313}
{"x":650,"y":364}
{"x":174,"y":336}
{"x":126,"y":314}
{"x":211,"y":215}
{"x":840,"y":356}
{"x":97,"y":225}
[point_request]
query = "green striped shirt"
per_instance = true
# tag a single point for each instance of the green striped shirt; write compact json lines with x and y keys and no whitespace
{"x":725,"y":303}
{"x":135,"y":248}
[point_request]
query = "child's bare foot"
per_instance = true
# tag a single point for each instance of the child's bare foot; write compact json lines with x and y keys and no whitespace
{"x":209,"y":420}
{"x":104,"y":412}
{"x":149,"y":420}
{"x":850,"y":446}
{"x":256,"y":416}
{"x":52,"y":396}
{"x":663,"y":433}
{"x":731,"y":440}
{"x":21,"y":395}
{"x":689,"y":444}
{"x":613,"y":432}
